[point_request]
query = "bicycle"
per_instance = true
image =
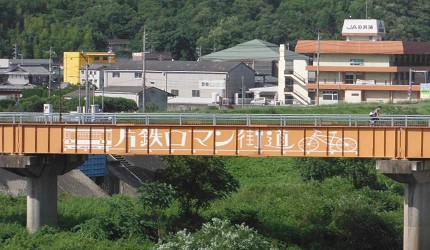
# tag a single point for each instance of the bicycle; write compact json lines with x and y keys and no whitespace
{"x":336,"y":144}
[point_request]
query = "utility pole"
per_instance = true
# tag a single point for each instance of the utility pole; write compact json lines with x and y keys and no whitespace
{"x":143,"y":70}
{"x":318,"y":70}
{"x":87,"y":89}
{"x":366,"y":9}
{"x":50,"y":70}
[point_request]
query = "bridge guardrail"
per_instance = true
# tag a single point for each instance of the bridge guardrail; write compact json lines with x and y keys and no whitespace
{"x":217,"y":119}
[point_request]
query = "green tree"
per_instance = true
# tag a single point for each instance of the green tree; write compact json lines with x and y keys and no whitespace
{"x":197,"y":181}
{"x":157,"y":197}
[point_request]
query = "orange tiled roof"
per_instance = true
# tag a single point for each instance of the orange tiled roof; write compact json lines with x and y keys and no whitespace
{"x":363,"y":47}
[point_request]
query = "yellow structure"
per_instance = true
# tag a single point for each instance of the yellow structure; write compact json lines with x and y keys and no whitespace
{"x":72,"y":61}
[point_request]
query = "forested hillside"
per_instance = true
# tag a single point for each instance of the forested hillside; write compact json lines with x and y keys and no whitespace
{"x":181,"y":26}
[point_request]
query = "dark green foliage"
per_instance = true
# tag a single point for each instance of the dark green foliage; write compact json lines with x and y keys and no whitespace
{"x":7,"y":104}
{"x":361,"y":172}
{"x":181,"y":26}
{"x":32,"y":104}
{"x":197,"y":181}
{"x":121,"y":221}
{"x":112,"y":105}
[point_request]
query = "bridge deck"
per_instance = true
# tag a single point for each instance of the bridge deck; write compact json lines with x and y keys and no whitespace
{"x":207,"y":134}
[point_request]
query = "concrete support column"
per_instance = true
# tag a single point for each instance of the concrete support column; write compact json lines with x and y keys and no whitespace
{"x":42,"y":200}
{"x":416,"y":176}
{"x":42,"y":172}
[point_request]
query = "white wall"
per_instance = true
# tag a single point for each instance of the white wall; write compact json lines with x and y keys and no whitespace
{"x":300,"y":68}
{"x":344,"y":60}
{"x":353,"y":96}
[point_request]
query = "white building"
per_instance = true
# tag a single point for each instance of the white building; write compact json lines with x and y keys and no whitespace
{"x":361,"y":68}
{"x":193,"y":83}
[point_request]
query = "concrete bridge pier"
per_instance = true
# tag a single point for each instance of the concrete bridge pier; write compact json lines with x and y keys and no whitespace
{"x":416,"y":219}
{"x":42,"y":179}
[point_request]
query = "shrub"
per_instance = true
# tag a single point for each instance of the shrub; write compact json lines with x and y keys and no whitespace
{"x":217,"y":235}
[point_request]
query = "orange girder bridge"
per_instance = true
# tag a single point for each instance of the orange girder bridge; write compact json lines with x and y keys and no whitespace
{"x":394,"y":137}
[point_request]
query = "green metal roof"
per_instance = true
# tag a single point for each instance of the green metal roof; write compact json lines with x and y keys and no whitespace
{"x":252,"y":50}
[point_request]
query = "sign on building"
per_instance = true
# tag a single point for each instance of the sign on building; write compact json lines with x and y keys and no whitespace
{"x":425,"y":91}
{"x":212,"y":84}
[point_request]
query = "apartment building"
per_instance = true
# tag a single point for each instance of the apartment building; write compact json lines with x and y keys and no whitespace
{"x":361,"y":68}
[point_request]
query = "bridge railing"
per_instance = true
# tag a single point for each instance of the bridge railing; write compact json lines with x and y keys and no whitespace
{"x":217,"y":119}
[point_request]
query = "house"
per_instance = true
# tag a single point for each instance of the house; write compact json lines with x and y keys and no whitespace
{"x":73,"y":61}
{"x":361,"y":68}
{"x":119,"y":45}
{"x":260,"y":55}
{"x":19,"y":74}
{"x":20,"y":70}
{"x":27,"y":74}
{"x":193,"y":83}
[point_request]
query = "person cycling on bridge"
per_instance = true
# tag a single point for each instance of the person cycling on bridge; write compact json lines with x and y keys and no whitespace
{"x":375,"y":115}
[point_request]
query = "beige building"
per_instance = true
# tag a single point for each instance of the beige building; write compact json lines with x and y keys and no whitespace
{"x":362,"y":68}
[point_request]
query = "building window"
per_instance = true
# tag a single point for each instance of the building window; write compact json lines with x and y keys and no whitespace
{"x":138,"y":75}
{"x":196,"y":93}
{"x":356,"y":62}
{"x":350,"y":78}
{"x":330,"y":95}
{"x":115,"y":74}
{"x":96,"y":58}
{"x":311,"y":76}
{"x":82,"y":72}
{"x":174,"y":92}
{"x":105,"y":58}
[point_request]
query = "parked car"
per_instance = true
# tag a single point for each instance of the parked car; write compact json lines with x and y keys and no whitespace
{"x":259,"y":101}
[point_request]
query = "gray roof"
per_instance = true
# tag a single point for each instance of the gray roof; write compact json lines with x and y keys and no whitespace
{"x":30,"y":69}
{"x":95,"y":66}
{"x":29,"y":61}
{"x":253,"y":50}
{"x":176,"y":66}
{"x":127,"y":89}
